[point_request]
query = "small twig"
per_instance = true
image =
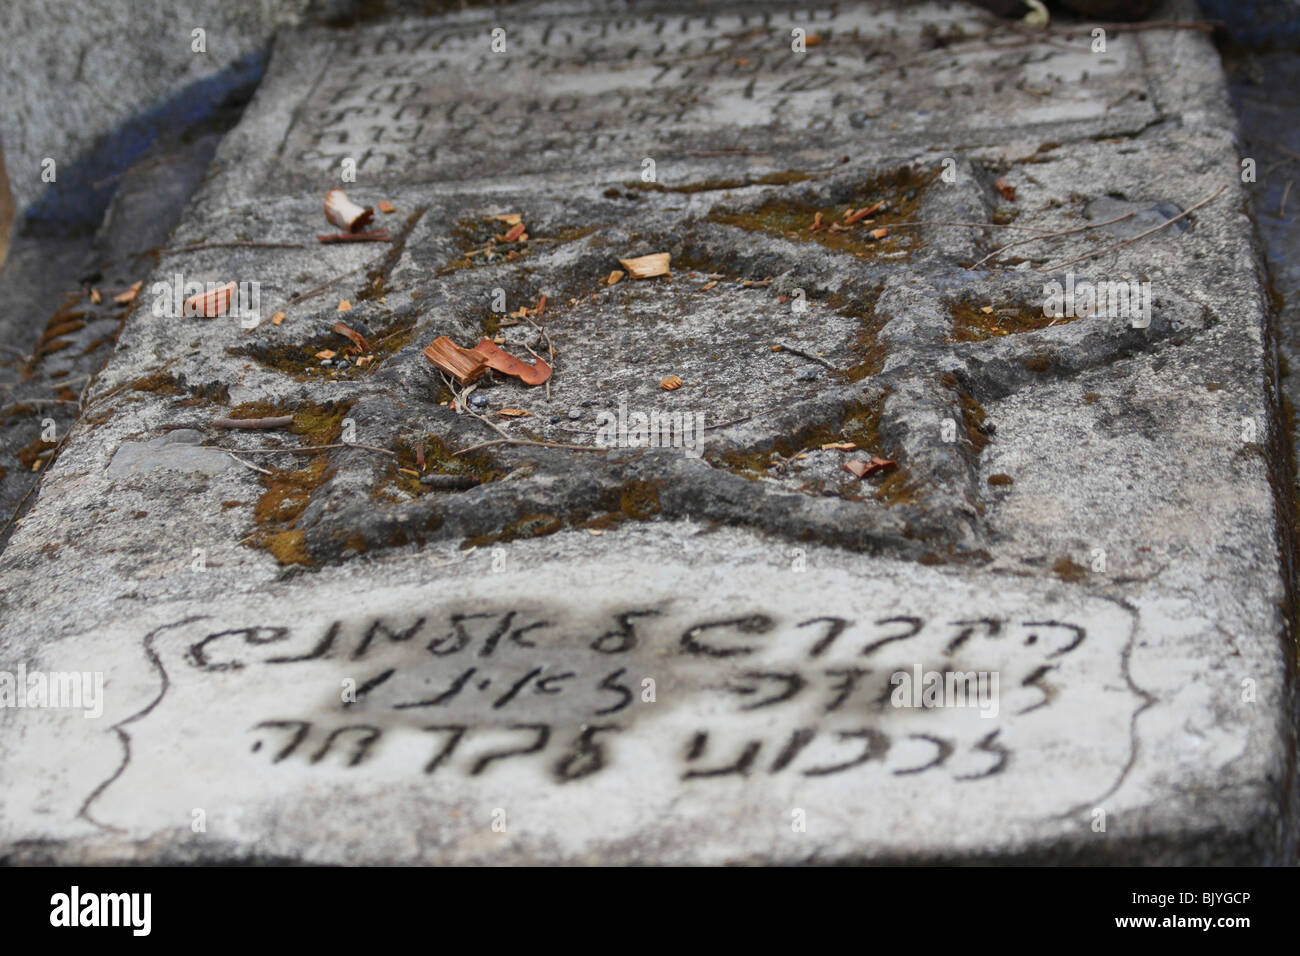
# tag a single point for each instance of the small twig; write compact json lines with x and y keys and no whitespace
{"x":312,"y":293}
{"x":379,"y":235}
{"x":280,"y":421}
{"x":529,"y":441}
{"x":1052,"y":235}
{"x":975,"y":225}
{"x":1132,"y":239}
{"x":233,"y":244}
{"x":1281,"y":209}
{"x":249,"y":464}
{"x":808,"y":355}
{"x":312,"y":449}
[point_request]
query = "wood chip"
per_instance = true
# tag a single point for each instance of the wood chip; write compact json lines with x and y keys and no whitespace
{"x":326,"y":354}
{"x":386,"y":207}
{"x":987,"y":310}
{"x":514,"y":413}
{"x":210,"y":304}
{"x":464,"y":365}
{"x":852,"y":217}
{"x":344,"y":305}
{"x":708,"y":285}
{"x":671,"y":383}
{"x":95,"y":297}
{"x":127,"y":297}
{"x":615,"y":276}
{"x":278,"y":318}
{"x":646,"y":267}
{"x":839,"y":446}
{"x":1007,"y":190}
{"x":879,"y":233}
{"x":510,"y":218}
{"x":516,"y":232}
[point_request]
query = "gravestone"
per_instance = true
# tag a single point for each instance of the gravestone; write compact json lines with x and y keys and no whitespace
{"x":1054,"y":627}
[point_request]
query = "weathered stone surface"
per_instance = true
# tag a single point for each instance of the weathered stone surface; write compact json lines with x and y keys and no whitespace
{"x":1082,"y":507}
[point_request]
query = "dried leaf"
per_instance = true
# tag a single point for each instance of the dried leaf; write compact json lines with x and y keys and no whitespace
{"x":278,"y":318}
{"x":357,"y":338}
{"x":326,"y":354}
{"x":464,"y":365}
{"x":708,"y":285}
{"x":508,"y":364}
{"x":516,"y":232}
{"x":671,"y":383}
{"x":1007,"y":190}
{"x":344,"y":213}
{"x":514,"y":413}
{"x":386,"y":207}
{"x":541,"y":305}
{"x":409,"y":471}
{"x":646,"y":267}
{"x":510,"y":218}
{"x":879,"y":233}
{"x":210,"y":304}
{"x":344,"y":305}
{"x":127,"y":297}
{"x":839,"y":446}
{"x":615,"y":276}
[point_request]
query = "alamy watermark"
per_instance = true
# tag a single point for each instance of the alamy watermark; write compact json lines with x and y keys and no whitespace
{"x":1079,"y":298}
{"x":684,"y":430}
{"x":74,"y":690}
{"x":943,"y":689}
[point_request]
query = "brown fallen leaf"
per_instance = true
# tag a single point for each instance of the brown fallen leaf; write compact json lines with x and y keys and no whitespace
{"x":464,"y":365}
{"x":386,"y":207}
{"x":344,"y":306}
{"x":1007,"y":190}
{"x":541,"y":305}
{"x":839,"y":446}
{"x":671,"y":383}
{"x":514,"y":413}
{"x":865,"y":469}
{"x":508,"y":364}
{"x":708,"y":285}
{"x":127,"y":297}
{"x":879,"y":233}
{"x":615,"y":276}
{"x":516,"y":232}
{"x":344,"y":213}
{"x":357,"y":338}
{"x":210,"y":304}
{"x":510,"y":218}
{"x":646,"y":267}
{"x":326,"y":354}
{"x":817,"y":225}
{"x":278,"y":318}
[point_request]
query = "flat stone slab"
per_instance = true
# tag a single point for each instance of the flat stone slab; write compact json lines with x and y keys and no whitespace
{"x":571,"y":645}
